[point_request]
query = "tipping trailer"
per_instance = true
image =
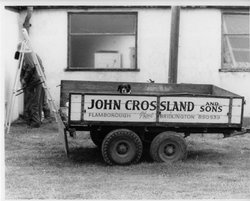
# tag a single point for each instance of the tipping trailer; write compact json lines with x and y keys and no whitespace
{"x":153,"y":116}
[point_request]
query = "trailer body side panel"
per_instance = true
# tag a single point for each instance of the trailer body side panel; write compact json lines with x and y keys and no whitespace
{"x":153,"y":109}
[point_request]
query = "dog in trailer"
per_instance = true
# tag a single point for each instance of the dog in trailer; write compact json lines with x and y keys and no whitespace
{"x":124,"y":89}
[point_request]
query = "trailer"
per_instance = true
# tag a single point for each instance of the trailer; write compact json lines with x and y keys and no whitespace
{"x":152,"y":116}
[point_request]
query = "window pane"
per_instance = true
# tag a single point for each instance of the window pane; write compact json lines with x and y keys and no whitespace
{"x":241,"y":42}
{"x":103,"y":23}
{"x":242,"y":56}
{"x":236,"y":40}
{"x":227,"y":53}
{"x":84,"y":51}
{"x":236,"y":24}
{"x":236,"y":52}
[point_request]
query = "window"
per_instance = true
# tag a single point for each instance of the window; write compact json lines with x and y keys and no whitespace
{"x":102,"y":40}
{"x":236,"y":41}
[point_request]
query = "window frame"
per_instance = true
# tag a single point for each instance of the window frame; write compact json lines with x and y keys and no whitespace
{"x":231,"y":12}
{"x":70,"y":68}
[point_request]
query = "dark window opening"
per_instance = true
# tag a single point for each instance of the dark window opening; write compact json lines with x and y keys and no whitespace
{"x":102,"y":40}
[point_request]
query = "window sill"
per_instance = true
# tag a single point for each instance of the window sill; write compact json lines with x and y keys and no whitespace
{"x":234,"y":70}
{"x":104,"y":69}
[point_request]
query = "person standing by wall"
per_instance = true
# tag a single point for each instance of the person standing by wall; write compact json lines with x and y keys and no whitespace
{"x":35,"y":101}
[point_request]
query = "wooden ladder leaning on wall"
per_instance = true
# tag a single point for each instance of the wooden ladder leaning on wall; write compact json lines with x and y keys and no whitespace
{"x":25,"y":48}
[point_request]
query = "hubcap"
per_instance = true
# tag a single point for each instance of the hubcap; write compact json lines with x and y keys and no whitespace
{"x":122,"y":148}
{"x":169,"y":150}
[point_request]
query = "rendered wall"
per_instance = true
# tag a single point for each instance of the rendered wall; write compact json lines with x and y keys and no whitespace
{"x":10,"y":40}
{"x":200,"y":54}
{"x":49,"y":37}
{"x":199,"y":50}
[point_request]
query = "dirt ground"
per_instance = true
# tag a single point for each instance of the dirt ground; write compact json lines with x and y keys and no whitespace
{"x":37,"y":168}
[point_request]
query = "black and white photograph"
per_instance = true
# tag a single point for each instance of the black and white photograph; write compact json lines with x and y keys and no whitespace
{"x":125,"y":99}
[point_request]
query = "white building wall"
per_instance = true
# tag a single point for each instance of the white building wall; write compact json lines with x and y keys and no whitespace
{"x":199,"y":50}
{"x":49,"y":37}
{"x":153,"y":44}
{"x":10,"y":40}
{"x":200,"y":54}
{"x":199,"y":46}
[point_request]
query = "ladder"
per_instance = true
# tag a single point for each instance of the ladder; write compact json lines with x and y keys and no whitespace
{"x":25,"y":48}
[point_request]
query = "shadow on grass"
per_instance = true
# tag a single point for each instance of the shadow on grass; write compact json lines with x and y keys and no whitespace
{"x":86,"y":155}
{"x":93,"y":155}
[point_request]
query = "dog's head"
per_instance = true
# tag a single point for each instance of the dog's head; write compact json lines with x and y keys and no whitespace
{"x":124,"y":89}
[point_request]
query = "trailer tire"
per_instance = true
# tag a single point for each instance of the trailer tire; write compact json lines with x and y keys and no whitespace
{"x":168,"y":147}
{"x":122,"y":147}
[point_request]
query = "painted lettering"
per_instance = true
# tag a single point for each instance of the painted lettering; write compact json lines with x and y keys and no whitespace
{"x":176,"y":106}
{"x":92,"y":104}
{"x":153,"y":105}
{"x":211,"y":107}
{"x":144,"y":105}
{"x":136,"y":105}
{"x":105,"y":104}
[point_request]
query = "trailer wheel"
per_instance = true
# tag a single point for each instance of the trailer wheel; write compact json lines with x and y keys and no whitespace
{"x":122,"y":147}
{"x":168,"y":147}
{"x":96,"y":138}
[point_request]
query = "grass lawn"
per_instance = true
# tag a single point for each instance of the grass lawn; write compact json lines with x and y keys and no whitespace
{"x":37,"y":168}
